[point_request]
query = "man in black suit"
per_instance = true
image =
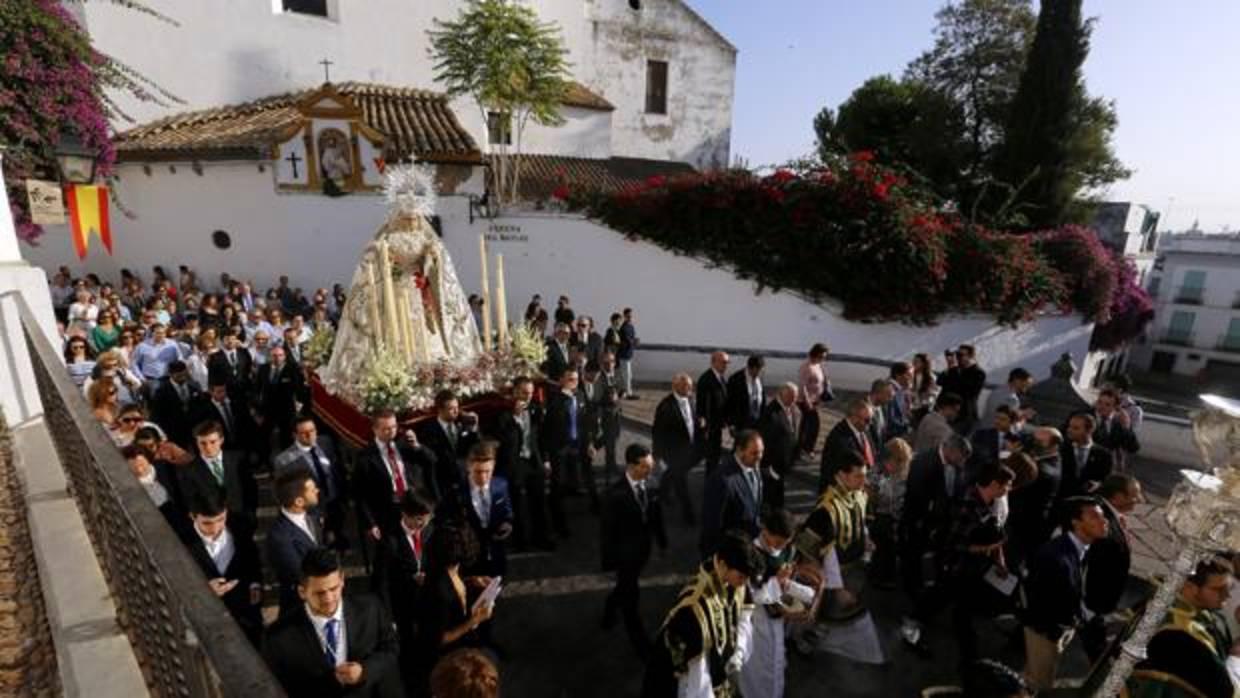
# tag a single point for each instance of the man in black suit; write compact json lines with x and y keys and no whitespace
{"x":296,"y":530}
{"x":608,"y":408}
{"x":989,"y":442}
{"x":172,"y":404}
{"x":317,"y":453}
{"x":385,"y":469}
{"x":1085,"y":463}
{"x":1030,"y":506}
{"x":967,"y":380}
{"x":487,"y":510}
{"x":632,"y":519}
{"x":405,"y":561}
{"x":449,"y":436}
{"x":712,"y":408}
{"x":277,"y":386}
{"x":733,"y":499}
{"x":781,"y":430}
{"x":882,"y":392}
{"x":1109,"y":559}
{"x":587,"y":340}
{"x":935,"y":481}
{"x":1114,"y":428}
{"x":233,"y":365}
{"x":559,"y":356}
{"x":850,"y":434}
{"x":333,"y":646}
{"x":220,"y":473}
{"x":674,"y":440}
{"x":233,"y":416}
{"x":160,"y":482}
{"x":1054,"y":589}
{"x":521,"y":462}
{"x":223,"y":547}
{"x":563,"y":443}
{"x":745,"y":396}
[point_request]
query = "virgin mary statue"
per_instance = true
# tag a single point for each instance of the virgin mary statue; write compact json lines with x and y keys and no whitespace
{"x":405,"y":298}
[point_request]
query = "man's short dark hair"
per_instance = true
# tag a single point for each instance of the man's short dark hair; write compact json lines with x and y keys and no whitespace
{"x":987,"y":678}
{"x":132,"y":451}
{"x":1115,"y":483}
{"x":995,"y":473}
{"x":302,"y":418}
{"x":744,"y":438}
{"x":966,"y":349}
{"x":1088,"y":419}
{"x":755,"y":362}
{"x":900,"y":368}
{"x":635,"y":452}
{"x":443,"y":397}
{"x":616,"y":316}
{"x":203,"y":503}
{"x":383,"y":413}
{"x":1122,"y":382}
{"x":736,"y":551}
{"x":778,"y":521}
{"x":291,"y":484}
{"x":481,"y":452}
{"x":1008,"y":410}
{"x":945,"y":400}
{"x":319,"y":562}
{"x":177,"y":366}
{"x":1073,"y":508}
{"x":1018,"y":374}
{"x":847,"y":461}
{"x":416,"y":503}
{"x":1109,"y":392}
{"x":1212,"y":566}
{"x":208,"y":428}
{"x":520,"y":381}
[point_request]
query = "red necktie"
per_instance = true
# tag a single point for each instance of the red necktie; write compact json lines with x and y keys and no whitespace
{"x":398,"y":477}
{"x":867,"y":453}
{"x":417,"y":544}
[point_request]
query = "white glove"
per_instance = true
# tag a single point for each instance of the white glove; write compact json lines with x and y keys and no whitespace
{"x":735,"y":662}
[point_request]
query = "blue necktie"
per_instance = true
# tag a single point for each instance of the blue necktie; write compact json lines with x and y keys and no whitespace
{"x":330,"y":632}
{"x":572,"y":419}
{"x":324,"y":478}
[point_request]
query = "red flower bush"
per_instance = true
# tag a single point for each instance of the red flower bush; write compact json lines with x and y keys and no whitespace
{"x":861,"y":235}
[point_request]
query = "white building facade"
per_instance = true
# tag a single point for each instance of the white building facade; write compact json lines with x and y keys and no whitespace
{"x":1196,"y":331}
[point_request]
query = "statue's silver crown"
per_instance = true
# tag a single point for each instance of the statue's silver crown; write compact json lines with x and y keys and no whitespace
{"x":411,"y":188}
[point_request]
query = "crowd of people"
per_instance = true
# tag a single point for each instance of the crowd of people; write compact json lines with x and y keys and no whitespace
{"x":962,"y":504}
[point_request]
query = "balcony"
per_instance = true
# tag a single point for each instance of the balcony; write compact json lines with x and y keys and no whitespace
{"x":1229,"y":343}
{"x":1190,"y":295}
{"x":1178,"y":337}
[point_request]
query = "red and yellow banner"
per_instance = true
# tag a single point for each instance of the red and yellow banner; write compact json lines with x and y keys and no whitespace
{"x":88,"y":212}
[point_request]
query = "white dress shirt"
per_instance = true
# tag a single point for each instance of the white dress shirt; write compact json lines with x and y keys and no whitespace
{"x":686,"y":413}
{"x":299,"y":520}
{"x":221,"y":549}
{"x":392,"y":467}
{"x":320,"y":629}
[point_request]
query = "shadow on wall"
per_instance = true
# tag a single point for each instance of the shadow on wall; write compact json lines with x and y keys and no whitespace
{"x":712,"y":153}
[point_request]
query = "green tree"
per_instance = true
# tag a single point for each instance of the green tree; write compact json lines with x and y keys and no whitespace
{"x":511,"y":64}
{"x":978,"y":54}
{"x":1057,"y":142}
{"x":905,"y":123}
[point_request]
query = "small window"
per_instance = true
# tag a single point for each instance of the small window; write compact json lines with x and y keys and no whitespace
{"x":499,"y":128}
{"x":635,"y":4}
{"x":317,"y":8}
{"x":656,"y":87}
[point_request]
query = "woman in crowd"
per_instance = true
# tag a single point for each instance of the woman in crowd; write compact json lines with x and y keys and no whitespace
{"x":82,"y":314}
{"x":106,"y":333}
{"x":110,"y":367}
{"x":815,"y":388}
{"x":197,"y":361}
{"x":447,"y":617}
{"x":925,"y":388}
{"x":103,"y":403}
{"x":79,"y":359}
{"x":126,"y":342}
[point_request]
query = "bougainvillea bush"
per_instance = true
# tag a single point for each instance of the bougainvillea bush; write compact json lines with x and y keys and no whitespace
{"x":859,"y":233}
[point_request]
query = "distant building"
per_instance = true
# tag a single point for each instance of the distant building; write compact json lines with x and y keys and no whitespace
{"x":1196,"y":332}
{"x":1132,"y":230}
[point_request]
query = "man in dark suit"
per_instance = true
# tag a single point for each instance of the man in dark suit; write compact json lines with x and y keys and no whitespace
{"x":385,"y":469}
{"x":487,"y":509}
{"x":882,"y":392}
{"x":781,"y":430}
{"x":223,"y":547}
{"x":674,"y":440}
{"x":233,"y":366}
{"x":1029,"y":521}
{"x":967,"y":380}
{"x":587,"y":340}
{"x":233,"y":416}
{"x":295,"y":531}
{"x":220,"y":473}
{"x":989,"y":442}
{"x":712,"y":408}
{"x":305,"y":650}
{"x":1085,"y":463}
{"x":559,"y":356}
{"x":160,"y":482}
{"x":1109,"y":559}
{"x":563,"y":443}
{"x":404,"y":562}
{"x":449,"y":436}
{"x":609,"y":409}
{"x":277,"y":386}
{"x":935,"y":481}
{"x":317,"y":453}
{"x":850,"y":434}
{"x":1054,"y":589}
{"x":632,"y":519}
{"x":733,"y":499}
{"x":745,"y":395}
{"x":520,"y":461}
{"x":171,"y":405}
{"x":1114,"y":428}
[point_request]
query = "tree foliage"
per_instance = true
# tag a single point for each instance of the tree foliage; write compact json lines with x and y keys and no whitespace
{"x":53,"y":82}
{"x":510,"y":63}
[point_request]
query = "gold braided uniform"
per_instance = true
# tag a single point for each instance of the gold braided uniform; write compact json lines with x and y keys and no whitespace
{"x":1187,"y":658}
{"x":837,"y":522}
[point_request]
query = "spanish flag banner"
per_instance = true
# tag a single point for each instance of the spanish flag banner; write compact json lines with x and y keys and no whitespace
{"x":88,"y":212}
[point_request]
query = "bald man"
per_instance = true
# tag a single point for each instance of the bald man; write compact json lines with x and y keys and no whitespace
{"x":712,"y":407}
{"x":780,"y":428}
{"x":675,"y":442}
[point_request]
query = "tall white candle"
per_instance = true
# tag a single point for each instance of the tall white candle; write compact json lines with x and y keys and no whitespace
{"x":501,"y":302}
{"x":486,"y":295}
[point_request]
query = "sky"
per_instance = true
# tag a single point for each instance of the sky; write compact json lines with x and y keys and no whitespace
{"x":1173,"y":69}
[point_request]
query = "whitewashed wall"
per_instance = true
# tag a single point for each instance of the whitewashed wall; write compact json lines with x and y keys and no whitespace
{"x":228,"y":51}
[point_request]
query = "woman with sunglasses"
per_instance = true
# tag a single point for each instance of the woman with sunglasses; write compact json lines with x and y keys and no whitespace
{"x":104,"y":405}
{"x":79,"y":359}
{"x":131,"y":419}
{"x":105,"y":334}
{"x":110,"y":366}
{"x":83,"y":313}
{"x":126,"y":342}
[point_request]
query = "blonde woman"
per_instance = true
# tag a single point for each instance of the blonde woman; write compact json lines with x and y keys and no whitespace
{"x":83,"y":313}
{"x":111,"y":366}
{"x":888,"y":483}
{"x":103,"y":403}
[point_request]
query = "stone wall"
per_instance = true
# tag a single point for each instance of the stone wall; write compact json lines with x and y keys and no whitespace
{"x":27,"y":655}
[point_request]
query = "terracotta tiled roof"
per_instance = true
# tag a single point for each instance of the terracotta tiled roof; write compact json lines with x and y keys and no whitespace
{"x":578,"y":95}
{"x":417,"y":122}
{"x":542,"y":174}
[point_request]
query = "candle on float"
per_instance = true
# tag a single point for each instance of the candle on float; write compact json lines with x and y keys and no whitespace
{"x":486,"y":296}
{"x":501,"y":302}
{"x":409,"y":323}
{"x":391,"y":329}
{"x":372,"y":304}
{"x":406,"y":325}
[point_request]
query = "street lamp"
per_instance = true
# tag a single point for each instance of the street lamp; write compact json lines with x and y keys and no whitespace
{"x":76,"y":160}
